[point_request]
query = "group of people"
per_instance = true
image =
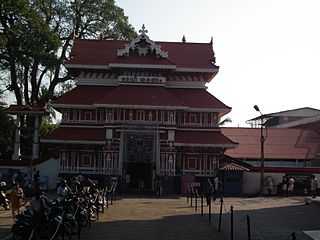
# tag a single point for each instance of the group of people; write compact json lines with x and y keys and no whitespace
{"x":288,"y":185}
{"x":13,"y":189}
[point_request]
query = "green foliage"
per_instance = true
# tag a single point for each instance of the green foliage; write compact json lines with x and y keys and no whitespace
{"x":46,"y":127}
{"x":36,"y":37}
{"x":26,"y":34}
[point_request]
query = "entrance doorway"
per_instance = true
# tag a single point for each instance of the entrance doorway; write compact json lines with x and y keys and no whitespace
{"x":139,"y":162}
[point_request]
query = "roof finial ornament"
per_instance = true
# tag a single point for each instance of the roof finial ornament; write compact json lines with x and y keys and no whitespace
{"x":211,"y":40}
{"x":143,"y":30}
{"x":184,"y":39}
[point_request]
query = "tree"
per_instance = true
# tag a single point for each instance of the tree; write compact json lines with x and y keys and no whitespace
{"x":224,"y":121}
{"x":47,"y":127}
{"x":7,"y":128}
{"x":36,"y":37}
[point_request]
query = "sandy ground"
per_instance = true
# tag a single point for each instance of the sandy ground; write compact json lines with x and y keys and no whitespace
{"x":173,"y":218}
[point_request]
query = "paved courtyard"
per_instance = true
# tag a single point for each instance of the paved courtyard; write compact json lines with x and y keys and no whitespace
{"x":172,"y":218}
{"x":271,"y":218}
{"x":152,"y":219}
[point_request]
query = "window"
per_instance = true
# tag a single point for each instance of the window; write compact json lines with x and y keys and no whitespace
{"x":87,"y":116}
{"x":77,"y":115}
{"x":214,"y":118}
{"x":66,"y":116}
{"x":191,"y":163}
{"x":171,"y":117}
{"x":109,"y":115}
{"x":71,"y":115}
{"x":162,"y":116}
{"x":140,"y":115}
{"x":193,"y":117}
{"x":85,"y":160}
{"x":150,"y":116}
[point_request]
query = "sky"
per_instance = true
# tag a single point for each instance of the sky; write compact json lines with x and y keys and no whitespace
{"x":268,"y":50}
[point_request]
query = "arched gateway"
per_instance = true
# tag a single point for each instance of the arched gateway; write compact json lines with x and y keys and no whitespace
{"x":140,"y":111}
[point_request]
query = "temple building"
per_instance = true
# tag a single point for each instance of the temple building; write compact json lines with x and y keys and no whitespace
{"x":140,"y":110}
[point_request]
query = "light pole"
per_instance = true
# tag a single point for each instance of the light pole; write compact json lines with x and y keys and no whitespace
{"x":262,"y":140}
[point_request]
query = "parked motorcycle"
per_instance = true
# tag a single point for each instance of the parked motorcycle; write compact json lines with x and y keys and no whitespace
{"x":4,"y":201}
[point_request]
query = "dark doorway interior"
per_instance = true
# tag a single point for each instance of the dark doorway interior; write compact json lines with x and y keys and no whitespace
{"x":232,"y":182}
{"x":141,"y":176}
{"x":139,"y":162}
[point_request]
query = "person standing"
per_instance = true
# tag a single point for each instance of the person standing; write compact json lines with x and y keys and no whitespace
{"x":16,"y":199}
{"x":313,"y":186}
{"x":285,"y":186}
{"x":270,"y":185}
{"x":291,"y":182}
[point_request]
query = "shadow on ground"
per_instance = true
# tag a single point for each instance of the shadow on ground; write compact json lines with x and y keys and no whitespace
{"x":184,"y":227}
{"x":271,"y":223}
{"x":151,"y":196}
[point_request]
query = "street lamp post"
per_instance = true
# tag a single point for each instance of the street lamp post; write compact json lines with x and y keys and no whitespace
{"x":262,"y":140}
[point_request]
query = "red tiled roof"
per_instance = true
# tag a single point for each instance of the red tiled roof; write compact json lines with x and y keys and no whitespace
{"x":84,"y":95}
{"x":314,"y":126}
{"x":141,"y":95}
{"x":312,"y":123}
{"x":234,"y":167}
{"x":26,"y":109}
{"x":76,"y":134}
{"x":280,"y":143}
{"x":202,"y":138}
{"x":288,"y":169}
{"x":104,"y":52}
{"x":197,"y":98}
{"x":138,"y":95}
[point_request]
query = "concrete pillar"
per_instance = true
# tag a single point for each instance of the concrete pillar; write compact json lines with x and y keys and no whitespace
{"x":121,"y":153}
{"x":157,"y":150}
{"x":35,"y":143}
{"x":16,"y":149}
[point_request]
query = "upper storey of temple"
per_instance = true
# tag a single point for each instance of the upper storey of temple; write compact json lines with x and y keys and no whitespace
{"x":142,"y":61}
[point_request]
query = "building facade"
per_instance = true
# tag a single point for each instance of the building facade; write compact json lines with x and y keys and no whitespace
{"x":140,"y":109}
{"x":287,"y":152}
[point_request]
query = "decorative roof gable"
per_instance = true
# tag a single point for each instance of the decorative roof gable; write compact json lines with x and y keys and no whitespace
{"x":142,"y":46}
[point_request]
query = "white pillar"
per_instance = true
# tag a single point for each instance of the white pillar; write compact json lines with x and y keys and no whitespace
{"x":16,"y":150}
{"x":35,"y":144}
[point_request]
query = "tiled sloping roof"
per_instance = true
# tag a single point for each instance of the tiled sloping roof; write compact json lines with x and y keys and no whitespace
{"x":280,"y":143}
{"x":312,"y":125}
{"x":26,"y":109}
{"x":104,"y":52}
{"x":202,"y":138}
{"x":84,"y":95}
{"x":141,"y":95}
{"x":197,"y":98}
{"x":76,"y":134}
{"x":233,"y":167}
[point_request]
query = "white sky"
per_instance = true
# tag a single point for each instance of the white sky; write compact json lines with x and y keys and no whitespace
{"x":267,"y":50}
